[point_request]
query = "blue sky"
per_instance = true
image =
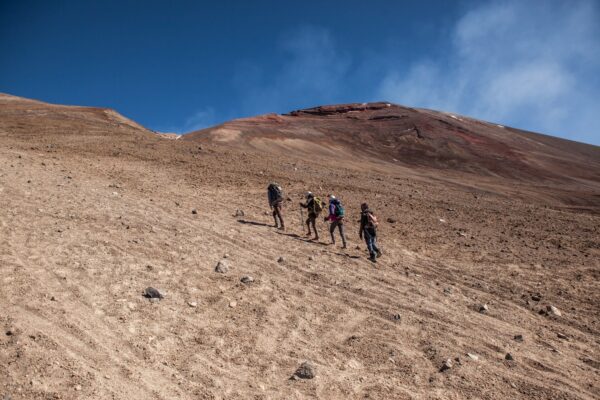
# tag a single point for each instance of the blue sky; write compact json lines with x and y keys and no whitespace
{"x":179,"y":66}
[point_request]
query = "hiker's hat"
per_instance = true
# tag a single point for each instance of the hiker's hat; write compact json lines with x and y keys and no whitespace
{"x":309,"y":195}
{"x":332,"y":197}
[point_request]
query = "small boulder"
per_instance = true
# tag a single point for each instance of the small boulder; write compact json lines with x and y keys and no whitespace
{"x":194,"y":211}
{"x":222,"y":267}
{"x":536,"y":297}
{"x":232,"y":304}
{"x":152,"y":293}
{"x":280,"y":260}
{"x":446,"y":365}
{"x":483,"y":308}
{"x":247,"y":279}
{"x":509,"y":357}
{"x":562,"y":336}
{"x":239,"y":213}
{"x":473,"y":357}
{"x":192,"y":304}
{"x":518,"y":338}
{"x":391,"y":220}
{"x":551,"y":310}
{"x":306,"y":370}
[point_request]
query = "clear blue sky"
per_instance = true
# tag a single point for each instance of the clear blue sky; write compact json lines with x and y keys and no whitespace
{"x":183,"y":65}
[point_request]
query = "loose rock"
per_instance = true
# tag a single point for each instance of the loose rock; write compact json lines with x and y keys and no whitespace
{"x":306,"y":370}
{"x":518,"y":338}
{"x":446,"y":365}
{"x":194,"y":211}
{"x":508,"y":357}
{"x":192,"y":304}
{"x":562,"y":336}
{"x":247,"y":279}
{"x":222,"y":267}
{"x":553,"y":311}
{"x":391,"y":220}
{"x":280,"y":260}
{"x":483,"y":308}
{"x":239,"y":213}
{"x":152,"y":293}
{"x":473,"y":357}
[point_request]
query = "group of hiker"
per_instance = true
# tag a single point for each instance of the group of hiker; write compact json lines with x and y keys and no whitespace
{"x":336,"y":214}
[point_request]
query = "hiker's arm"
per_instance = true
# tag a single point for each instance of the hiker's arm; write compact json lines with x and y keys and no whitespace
{"x":362,"y":226}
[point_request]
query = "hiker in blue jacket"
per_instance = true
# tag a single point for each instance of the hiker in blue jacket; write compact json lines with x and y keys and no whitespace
{"x":368,"y":230}
{"x":336,"y":217}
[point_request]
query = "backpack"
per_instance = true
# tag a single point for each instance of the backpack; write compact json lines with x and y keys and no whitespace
{"x":339,"y":209}
{"x":275,"y":192}
{"x":372,"y":220}
{"x":317,"y":206}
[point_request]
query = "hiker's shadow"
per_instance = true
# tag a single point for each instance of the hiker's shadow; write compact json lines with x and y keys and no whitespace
{"x":302,"y":239}
{"x":246,"y":222}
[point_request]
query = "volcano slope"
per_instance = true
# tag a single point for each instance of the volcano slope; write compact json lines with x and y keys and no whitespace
{"x":95,"y":208}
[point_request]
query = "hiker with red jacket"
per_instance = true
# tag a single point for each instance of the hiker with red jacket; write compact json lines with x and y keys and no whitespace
{"x":275,"y":196}
{"x":314,"y":206}
{"x":336,"y":217}
{"x":368,"y":229}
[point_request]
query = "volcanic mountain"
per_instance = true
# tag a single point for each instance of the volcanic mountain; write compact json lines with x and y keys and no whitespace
{"x":488,"y":286}
{"x":385,"y":132}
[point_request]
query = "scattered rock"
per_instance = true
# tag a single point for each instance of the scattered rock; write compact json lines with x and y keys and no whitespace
{"x":518,"y":338}
{"x":152,"y":293}
{"x":247,"y":279}
{"x":483,"y":308}
{"x":562,"y":336}
{"x":225,"y":255}
{"x":391,"y":220}
{"x":192,"y":304}
{"x":9,"y":333}
{"x":553,"y":311}
{"x":442,"y":220}
{"x":306,"y":370}
{"x":311,"y":258}
{"x":238,"y":213}
{"x":280,"y":260}
{"x":508,"y":357}
{"x":536,"y":297}
{"x":232,"y":304}
{"x":397,"y":317}
{"x":194,"y":211}
{"x":446,"y":365}
{"x":448,"y":290}
{"x":473,"y":357}
{"x":78,"y":388}
{"x":222,"y":267}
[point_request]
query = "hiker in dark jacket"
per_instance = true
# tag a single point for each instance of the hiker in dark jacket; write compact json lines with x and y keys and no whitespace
{"x":368,"y":229}
{"x":336,"y":217}
{"x":275,"y":196}
{"x":313,"y":205}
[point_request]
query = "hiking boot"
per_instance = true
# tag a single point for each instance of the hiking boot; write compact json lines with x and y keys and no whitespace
{"x":378,"y":253}
{"x":344,"y":247}
{"x":373,"y":259}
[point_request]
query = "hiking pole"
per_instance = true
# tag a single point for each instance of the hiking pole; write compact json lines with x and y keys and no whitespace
{"x":301,"y":218}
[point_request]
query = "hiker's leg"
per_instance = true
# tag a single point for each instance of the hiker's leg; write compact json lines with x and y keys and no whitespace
{"x":279,"y":214}
{"x":370,"y":242}
{"x":341,"y":225}
{"x":313,"y":221}
{"x":308,"y":220}
{"x":375,"y":247}
{"x":275,"y":216}
{"x":331,"y":230}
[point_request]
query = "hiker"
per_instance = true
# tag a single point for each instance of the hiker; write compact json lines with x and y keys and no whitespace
{"x":314,"y":206}
{"x":336,"y":216}
{"x":275,"y":195}
{"x":368,"y":229}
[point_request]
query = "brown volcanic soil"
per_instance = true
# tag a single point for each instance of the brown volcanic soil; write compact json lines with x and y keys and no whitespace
{"x":95,"y":208}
